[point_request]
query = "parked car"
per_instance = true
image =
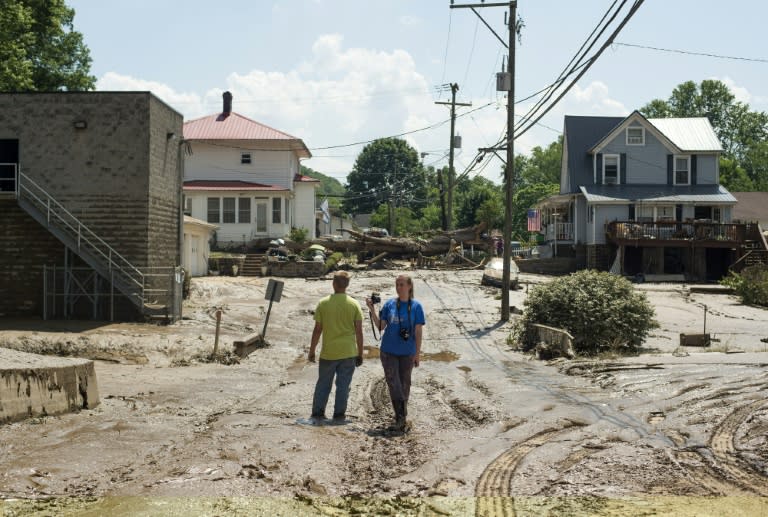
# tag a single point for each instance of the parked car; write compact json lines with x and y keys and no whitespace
{"x":494,"y":272}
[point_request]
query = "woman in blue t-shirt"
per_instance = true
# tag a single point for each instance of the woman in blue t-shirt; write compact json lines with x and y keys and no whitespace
{"x":401,"y":319}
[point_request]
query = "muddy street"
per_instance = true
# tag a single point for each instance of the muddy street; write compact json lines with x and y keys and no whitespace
{"x":495,"y":432}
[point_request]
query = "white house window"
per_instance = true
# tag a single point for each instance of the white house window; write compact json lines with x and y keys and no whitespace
{"x":245,"y":158}
{"x":635,"y":136}
{"x":276,"y":210}
{"x":213,"y":210}
{"x":229,"y":210}
{"x":717,"y":214}
{"x":644,"y":213}
{"x":244,"y":210}
{"x":611,"y":169}
{"x":188,"y":206}
{"x":682,"y":170}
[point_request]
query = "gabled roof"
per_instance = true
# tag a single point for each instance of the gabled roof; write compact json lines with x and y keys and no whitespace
{"x":228,"y":185}
{"x":233,"y":126}
{"x":693,"y":134}
{"x":638,"y":117}
{"x":622,"y":194}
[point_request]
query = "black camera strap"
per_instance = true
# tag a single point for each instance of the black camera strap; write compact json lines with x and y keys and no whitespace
{"x":373,"y":327}
{"x":400,"y":320}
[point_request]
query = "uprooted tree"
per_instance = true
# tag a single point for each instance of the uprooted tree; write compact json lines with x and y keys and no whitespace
{"x":408,"y":247}
{"x":603,"y":313}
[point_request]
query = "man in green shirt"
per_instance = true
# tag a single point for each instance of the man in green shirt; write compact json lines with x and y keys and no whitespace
{"x":339,"y":319}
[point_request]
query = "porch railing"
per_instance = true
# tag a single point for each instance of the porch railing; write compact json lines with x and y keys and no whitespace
{"x":559,"y":231}
{"x":673,"y":231}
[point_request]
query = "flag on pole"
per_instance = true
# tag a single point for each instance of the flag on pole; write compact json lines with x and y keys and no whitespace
{"x":534,"y":220}
{"x":326,"y":212}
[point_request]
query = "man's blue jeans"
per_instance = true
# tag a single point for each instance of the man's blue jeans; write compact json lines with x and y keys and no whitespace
{"x":343,"y":370}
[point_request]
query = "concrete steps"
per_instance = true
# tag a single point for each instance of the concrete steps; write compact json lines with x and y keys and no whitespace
{"x":252,"y":264}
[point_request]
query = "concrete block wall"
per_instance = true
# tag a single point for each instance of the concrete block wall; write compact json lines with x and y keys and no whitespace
{"x":26,"y":247}
{"x":120,"y":174}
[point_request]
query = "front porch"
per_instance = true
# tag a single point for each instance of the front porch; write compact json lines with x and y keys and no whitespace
{"x":698,"y":250}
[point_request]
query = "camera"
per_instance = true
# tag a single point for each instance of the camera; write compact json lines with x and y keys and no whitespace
{"x":404,"y":334}
{"x":375,"y":298}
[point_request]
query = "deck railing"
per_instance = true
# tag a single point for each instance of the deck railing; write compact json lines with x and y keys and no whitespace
{"x":676,"y":231}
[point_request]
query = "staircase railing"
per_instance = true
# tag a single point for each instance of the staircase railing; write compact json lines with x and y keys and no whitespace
{"x":111,"y":264}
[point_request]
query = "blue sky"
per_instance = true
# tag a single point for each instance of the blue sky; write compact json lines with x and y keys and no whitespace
{"x":335,"y":72}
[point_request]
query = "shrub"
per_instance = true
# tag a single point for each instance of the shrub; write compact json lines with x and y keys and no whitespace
{"x":751,"y":285}
{"x":298,"y":235}
{"x":602,"y":312}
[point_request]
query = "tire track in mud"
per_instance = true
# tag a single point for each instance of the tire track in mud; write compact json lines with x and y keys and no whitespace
{"x":493,"y":486}
{"x":723,"y":446}
{"x":532,"y":379}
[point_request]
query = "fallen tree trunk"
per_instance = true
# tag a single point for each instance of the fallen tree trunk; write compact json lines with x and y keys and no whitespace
{"x":407,"y":247}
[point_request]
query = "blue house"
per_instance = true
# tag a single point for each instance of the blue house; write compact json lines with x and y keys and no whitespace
{"x":643,"y":196}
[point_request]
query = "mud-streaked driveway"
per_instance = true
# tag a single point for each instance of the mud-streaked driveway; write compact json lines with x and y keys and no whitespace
{"x":494,"y":431}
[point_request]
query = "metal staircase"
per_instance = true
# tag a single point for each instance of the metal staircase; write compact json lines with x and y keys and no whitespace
{"x":91,"y":248}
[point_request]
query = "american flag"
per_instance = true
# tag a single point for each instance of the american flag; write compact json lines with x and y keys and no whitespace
{"x":534,"y":220}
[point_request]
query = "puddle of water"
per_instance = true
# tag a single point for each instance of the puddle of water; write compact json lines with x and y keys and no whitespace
{"x":444,"y":356}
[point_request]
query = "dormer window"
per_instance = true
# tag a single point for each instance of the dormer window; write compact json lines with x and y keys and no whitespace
{"x":635,"y":136}
{"x":682,"y":172}
{"x":611,"y":169}
{"x":245,"y":158}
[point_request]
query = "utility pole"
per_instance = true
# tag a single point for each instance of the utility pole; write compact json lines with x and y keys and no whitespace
{"x":510,"y":165}
{"x":448,"y":218}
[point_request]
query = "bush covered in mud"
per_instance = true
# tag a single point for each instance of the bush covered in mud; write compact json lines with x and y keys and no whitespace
{"x":751,"y":285}
{"x":602,"y":312}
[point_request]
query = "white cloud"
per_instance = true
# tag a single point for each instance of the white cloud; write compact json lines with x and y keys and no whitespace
{"x":345,"y":95}
{"x":741,"y":93}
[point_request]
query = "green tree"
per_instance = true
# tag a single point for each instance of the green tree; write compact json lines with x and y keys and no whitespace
{"x":470,"y":195}
{"x":329,"y":187}
{"x":543,"y":166}
{"x":387,"y":170}
{"x":39,"y":50}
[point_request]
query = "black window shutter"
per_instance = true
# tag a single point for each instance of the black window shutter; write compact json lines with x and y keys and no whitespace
{"x":623,"y":167}
{"x":599,"y":168}
{"x":693,"y":169}
{"x":670,"y":172}
{"x":679,"y":213}
{"x":631,"y":212}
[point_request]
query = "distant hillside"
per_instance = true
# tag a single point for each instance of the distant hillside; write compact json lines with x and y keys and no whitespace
{"x":330,"y":187}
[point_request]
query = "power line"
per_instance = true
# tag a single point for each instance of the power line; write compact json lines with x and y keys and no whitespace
{"x":691,"y":53}
{"x":591,"y":61}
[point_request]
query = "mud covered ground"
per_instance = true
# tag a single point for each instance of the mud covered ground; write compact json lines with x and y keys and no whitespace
{"x":673,"y":431}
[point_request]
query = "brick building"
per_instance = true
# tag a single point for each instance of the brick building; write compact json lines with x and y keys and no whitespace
{"x":90,"y":185}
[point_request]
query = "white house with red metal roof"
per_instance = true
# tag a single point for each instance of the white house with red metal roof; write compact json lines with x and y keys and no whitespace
{"x":243,"y":177}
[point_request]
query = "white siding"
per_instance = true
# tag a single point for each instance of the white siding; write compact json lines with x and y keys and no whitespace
{"x":304,"y":208}
{"x":222,"y":162}
{"x":603,"y":215}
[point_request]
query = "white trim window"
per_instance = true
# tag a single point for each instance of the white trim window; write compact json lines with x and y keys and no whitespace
{"x":682,"y":170}
{"x":188,"y":206}
{"x":636,"y":135}
{"x":245,"y":158}
{"x":214,"y":210}
{"x":611,"y":169}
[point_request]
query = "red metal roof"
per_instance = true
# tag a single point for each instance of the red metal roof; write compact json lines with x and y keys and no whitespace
{"x":237,"y":127}
{"x":228,"y":185}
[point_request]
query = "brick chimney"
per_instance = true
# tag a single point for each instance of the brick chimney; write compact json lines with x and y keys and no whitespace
{"x":227,"y":103}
